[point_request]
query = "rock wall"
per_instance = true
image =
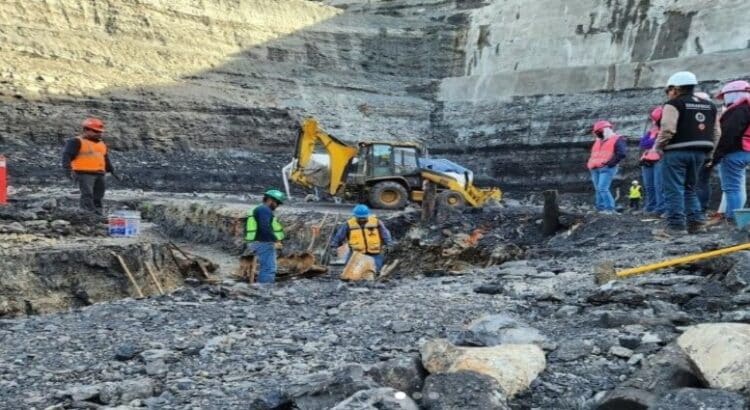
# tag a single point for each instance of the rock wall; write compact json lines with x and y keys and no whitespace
{"x":207,"y":95}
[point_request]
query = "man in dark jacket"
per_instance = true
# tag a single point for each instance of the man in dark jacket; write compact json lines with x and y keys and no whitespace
{"x":85,"y":159}
{"x":688,"y":135}
{"x":732,"y":151}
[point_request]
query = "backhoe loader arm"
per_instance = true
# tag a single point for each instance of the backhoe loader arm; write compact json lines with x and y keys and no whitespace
{"x":306,"y":172}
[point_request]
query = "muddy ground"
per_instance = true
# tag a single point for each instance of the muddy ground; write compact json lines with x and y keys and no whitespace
{"x":310,"y":344}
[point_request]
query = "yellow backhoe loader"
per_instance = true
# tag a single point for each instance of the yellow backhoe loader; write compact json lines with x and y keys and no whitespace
{"x":387,"y":175}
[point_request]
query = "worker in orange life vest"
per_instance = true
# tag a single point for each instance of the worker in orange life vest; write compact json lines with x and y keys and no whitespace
{"x":86,"y":161}
{"x":606,"y":152}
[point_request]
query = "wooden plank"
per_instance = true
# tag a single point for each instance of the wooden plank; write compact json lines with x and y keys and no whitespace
{"x":127,"y":272}
{"x":153,"y":277}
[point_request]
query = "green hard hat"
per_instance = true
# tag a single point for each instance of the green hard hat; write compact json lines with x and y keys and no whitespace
{"x":276,"y":194}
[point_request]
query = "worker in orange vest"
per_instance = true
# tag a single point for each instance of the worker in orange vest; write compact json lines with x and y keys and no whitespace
{"x":86,"y":161}
{"x":606,"y":153}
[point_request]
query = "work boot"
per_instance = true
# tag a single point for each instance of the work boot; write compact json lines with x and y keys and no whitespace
{"x":696,"y":228}
{"x":716,"y":219}
{"x":669,"y":232}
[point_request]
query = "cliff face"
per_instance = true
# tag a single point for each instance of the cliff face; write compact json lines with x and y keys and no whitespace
{"x":207,"y":95}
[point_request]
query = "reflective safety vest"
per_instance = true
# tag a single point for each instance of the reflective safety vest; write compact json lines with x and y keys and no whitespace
{"x":251,"y":227}
{"x":90,"y":157}
{"x":602,"y":151}
{"x":365,"y":238}
{"x":635,"y":192}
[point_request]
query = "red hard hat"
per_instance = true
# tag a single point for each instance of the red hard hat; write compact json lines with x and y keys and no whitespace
{"x":93,"y":124}
{"x":656,"y":113}
{"x":601,"y":125}
{"x":733,"y":87}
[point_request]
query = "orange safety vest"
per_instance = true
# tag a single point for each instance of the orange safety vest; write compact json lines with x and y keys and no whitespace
{"x":602,"y":151}
{"x":90,"y":157}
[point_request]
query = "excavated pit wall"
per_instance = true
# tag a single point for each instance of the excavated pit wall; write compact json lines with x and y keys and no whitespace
{"x":43,"y":279}
{"x":207,"y":97}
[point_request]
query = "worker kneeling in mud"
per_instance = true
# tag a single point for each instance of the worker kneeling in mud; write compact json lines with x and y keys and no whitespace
{"x":365,"y":233}
{"x":264,"y":233}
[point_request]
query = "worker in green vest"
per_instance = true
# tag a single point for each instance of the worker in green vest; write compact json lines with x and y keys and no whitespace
{"x":263,"y":232}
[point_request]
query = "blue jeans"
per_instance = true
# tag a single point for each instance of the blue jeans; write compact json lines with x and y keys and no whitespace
{"x":647,"y":174}
{"x":732,"y":169}
{"x":680,"y":176}
{"x":703,"y":188}
{"x":602,"y":179}
{"x":379,"y":260}
{"x":266,"y":254}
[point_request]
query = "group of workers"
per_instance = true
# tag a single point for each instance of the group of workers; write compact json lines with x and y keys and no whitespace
{"x":687,"y":139}
{"x":363,"y":232}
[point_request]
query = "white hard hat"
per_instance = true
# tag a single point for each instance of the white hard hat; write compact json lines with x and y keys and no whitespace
{"x":682,"y":78}
{"x":635,"y":182}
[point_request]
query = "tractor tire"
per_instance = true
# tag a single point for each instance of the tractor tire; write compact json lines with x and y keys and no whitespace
{"x":451,"y":199}
{"x":388,"y":195}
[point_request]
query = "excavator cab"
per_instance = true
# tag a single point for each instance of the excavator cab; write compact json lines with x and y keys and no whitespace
{"x":388,"y":172}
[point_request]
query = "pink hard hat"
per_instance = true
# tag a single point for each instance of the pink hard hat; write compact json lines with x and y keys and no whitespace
{"x":733,"y":87}
{"x":601,"y":125}
{"x":656,"y":113}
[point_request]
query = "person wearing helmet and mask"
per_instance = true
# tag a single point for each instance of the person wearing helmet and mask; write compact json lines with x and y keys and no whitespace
{"x":263,"y":231}
{"x":365,"y":233}
{"x":651,"y":169}
{"x":733,"y":151}
{"x":689,"y":132}
{"x":85,"y":160}
{"x":635,"y":195}
{"x":608,"y":150}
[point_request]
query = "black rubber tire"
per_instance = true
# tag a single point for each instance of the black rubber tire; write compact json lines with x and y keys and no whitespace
{"x":388,"y":195}
{"x":451,"y":199}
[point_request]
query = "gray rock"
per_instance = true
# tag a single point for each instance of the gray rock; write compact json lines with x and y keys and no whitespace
{"x":13,"y":227}
{"x":495,"y":330}
{"x":401,"y":327}
{"x":60,"y":225}
{"x":620,"y":351}
{"x":627,"y":399}
{"x":126,"y":351}
{"x":570,"y":350}
{"x":708,"y":399}
{"x":126,"y":391}
{"x":404,"y":374}
{"x":81,"y":393}
{"x":489,"y":289}
{"x":666,"y":370}
{"x":384,"y":398}
{"x":738,"y":276}
{"x":462,"y":390}
{"x":567,"y":311}
{"x":324,"y":390}
{"x":736,"y":316}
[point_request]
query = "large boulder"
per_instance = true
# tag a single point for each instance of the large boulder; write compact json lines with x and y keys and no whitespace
{"x":665,"y":371}
{"x":720,"y":352}
{"x":462,"y":390}
{"x":383,"y":398}
{"x":495,"y":330}
{"x":514,"y":366}
{"x":682,"y":399}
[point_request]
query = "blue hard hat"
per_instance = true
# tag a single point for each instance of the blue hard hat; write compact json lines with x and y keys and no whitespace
{"x":361,"y":211}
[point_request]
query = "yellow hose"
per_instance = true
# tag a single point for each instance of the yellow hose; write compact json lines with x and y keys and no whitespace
{"x":681,"y":260}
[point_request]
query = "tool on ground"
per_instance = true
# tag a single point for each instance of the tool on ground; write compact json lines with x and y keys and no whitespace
{"x":316,"y":232}
{"x":605,"y":271}
{"x":129,"y":275}
{"x":151,"y":273}
{"x":325,"y":259}
{"x":387,"y":175}
{"x":387,"y":270}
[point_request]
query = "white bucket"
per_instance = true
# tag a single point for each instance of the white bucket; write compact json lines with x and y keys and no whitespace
{"x":124,"y":224}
